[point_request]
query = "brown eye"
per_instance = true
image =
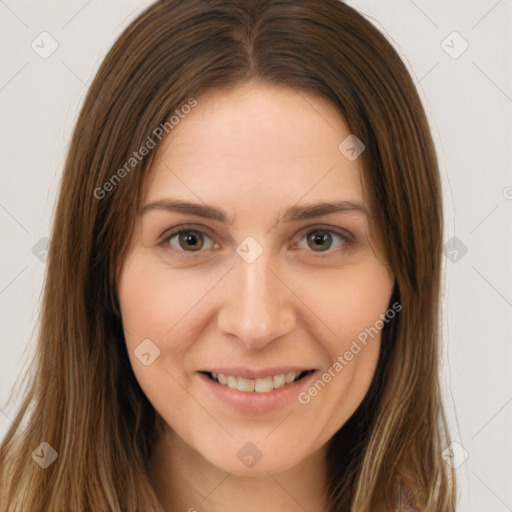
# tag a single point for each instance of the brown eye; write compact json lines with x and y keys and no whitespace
{"x":190,"y":240}
{"x":319,"y":239}
{"x":184,"y":242}
{"x":322,"y":240}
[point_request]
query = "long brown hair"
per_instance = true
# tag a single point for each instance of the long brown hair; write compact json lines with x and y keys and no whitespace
{"x":82,"y":397}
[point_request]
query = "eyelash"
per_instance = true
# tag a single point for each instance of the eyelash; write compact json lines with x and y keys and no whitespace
{"x":346,"y":240}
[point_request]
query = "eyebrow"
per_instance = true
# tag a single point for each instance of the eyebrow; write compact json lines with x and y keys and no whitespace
{"x":292,"y":214}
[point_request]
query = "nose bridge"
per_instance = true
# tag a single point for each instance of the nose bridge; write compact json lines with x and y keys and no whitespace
{"x":257,"y":306}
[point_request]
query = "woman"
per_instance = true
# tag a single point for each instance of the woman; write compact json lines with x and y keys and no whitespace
{"x":197,"y":351}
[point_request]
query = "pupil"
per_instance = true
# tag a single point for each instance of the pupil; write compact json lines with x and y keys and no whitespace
{"x":191,"y":238}
{"x":320,"y":238}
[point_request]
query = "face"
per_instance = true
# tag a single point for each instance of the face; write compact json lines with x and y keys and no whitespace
{"x":233,"y":281}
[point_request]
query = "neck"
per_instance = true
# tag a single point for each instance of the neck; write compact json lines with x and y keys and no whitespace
{"x":185,"y":481}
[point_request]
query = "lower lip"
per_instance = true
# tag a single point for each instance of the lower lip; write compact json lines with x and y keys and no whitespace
{"x":254,"y":402}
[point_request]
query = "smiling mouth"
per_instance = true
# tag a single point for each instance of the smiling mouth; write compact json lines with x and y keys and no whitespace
{"x":262,"y":385}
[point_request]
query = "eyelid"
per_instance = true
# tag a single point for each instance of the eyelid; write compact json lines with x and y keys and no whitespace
{"x":346,"y":236}
{"x":167,"y":235}
{"x":343,"y":233}
{"x":184,"y":227}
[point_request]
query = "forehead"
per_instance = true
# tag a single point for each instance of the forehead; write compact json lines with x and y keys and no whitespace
{"x":258,"y":148}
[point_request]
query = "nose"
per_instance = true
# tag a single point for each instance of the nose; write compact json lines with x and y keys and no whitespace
{"x":257,"y":305}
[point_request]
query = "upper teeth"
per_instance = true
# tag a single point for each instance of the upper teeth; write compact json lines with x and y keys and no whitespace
{"x":260,"y":385}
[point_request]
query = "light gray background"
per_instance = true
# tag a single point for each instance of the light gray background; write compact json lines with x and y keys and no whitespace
{"x":469,"y":103}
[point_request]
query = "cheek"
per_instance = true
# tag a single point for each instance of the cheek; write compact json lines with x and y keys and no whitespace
{"x":154,"y":301}
{"x":349,"y":303}
{"x":150,"y":306}
{"x":143,"y":313}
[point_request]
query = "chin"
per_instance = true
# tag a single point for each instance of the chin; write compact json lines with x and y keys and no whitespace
{"x":248,"y":461}
{"x":260,"y":470}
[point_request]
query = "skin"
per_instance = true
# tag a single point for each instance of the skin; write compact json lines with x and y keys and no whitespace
{"x":253,"y":151}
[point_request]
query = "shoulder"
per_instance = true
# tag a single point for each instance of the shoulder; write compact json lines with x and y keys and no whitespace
{"x":405,"y":500}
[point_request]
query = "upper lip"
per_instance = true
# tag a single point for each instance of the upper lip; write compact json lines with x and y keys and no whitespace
{"x":260,"y":373}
